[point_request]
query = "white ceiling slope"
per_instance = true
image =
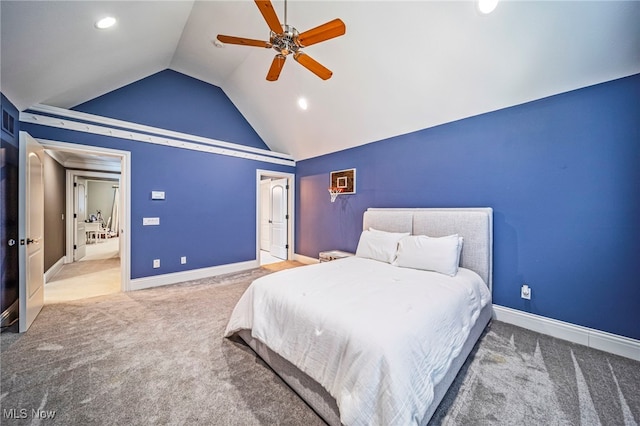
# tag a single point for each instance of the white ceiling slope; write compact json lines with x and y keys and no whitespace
{"x":401,"y":66}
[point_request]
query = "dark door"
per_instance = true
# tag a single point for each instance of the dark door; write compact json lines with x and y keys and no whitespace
{"x":8,"y":226}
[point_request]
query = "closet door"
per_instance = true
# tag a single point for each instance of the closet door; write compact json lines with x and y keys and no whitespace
{"x":80,"y":209}
{"x":279,"y":218}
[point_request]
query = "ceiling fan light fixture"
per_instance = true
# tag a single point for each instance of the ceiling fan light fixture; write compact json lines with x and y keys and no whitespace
{"x":106,"y":22}
{"x":487,"y":6}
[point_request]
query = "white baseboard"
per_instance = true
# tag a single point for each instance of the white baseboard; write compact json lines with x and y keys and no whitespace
{"x":608,"y":342}
{"x":55,"y":268}
{"x":305,"y":259}
{"x":194,"y":274}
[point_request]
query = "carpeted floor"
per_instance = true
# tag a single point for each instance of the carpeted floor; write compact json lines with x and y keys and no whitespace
{"x":157,"y":356}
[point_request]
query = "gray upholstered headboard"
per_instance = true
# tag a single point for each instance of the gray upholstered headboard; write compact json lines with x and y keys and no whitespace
{"x":475,"y":225}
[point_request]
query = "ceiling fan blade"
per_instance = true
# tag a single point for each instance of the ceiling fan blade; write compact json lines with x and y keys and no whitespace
{"x":312,"y":65}
{"x":269,"y":15}
{"x":324,"y":32}
{"x":243,"y":41}
{"x":276,"y":67}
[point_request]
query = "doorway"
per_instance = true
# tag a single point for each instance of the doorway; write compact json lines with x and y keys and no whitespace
{"x":274,"y":216}
{"x":92,"y":259}
{"x":97,"y":244}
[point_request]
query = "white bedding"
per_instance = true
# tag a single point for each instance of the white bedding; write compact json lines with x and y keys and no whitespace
{"x":376,"y":336}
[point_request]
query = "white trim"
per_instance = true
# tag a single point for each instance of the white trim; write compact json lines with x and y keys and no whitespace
{"x":125,"y":195}
{"x":194,"y":274}
{"x":291,"y":203}
{"x":608,"y":342}
{"x":54,"y":269}
{"x":131,"y":131}
{"x":111,"y":122}
{"x":70,"y":226}
{"x":305,"y":259}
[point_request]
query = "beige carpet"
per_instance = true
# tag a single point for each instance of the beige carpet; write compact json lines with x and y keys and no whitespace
{"x":96,"y":274}
{"x":80,"y":280}
{"x":104,"y":249}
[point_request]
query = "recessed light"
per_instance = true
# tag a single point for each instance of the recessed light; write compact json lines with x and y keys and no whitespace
{"x":302,"y":103}
{"x":487,"y":6}
{"x":105,"y":23}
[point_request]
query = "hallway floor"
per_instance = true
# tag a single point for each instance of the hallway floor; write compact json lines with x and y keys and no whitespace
{"x":96,"y":274}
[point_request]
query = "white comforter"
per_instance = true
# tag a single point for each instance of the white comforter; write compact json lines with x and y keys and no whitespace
{"x":376,"y":336}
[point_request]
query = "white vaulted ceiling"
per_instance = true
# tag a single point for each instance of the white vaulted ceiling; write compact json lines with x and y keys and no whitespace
{"x":400,"y":67}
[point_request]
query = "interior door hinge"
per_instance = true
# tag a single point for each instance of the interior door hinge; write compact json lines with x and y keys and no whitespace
{"x":287,"y":187}
{"x":75,"y":247}
{"x":287,"y":246}
{"x":286,"y":217}
{"x":75,"y":216}
{"x":75,"y":184}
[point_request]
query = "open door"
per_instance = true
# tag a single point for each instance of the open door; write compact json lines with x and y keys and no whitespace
{"x":279,"y":218}
{"x":80,"y":214}
{"x":31,"y":226}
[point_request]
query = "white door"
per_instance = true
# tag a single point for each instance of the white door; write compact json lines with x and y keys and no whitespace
{"x":279,"y":218}
{"x":265,"y":215}
{"x":80,"y":209}
{"x":31,"y":213}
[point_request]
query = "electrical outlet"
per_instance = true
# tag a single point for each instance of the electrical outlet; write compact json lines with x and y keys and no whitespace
{"x":156,"y":263}
{"x":525,"y":292}
{"x":183,"y":260}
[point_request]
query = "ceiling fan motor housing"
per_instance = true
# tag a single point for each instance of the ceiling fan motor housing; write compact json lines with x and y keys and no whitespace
{"x":287,"y":42}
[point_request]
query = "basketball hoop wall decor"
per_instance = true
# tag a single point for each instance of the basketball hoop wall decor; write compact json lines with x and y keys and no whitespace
{"x":342,"y":182}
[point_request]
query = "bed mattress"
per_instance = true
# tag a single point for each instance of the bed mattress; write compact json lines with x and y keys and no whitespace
{"x":363,"y":329}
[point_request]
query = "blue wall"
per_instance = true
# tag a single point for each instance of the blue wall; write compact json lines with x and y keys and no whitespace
{"x":209,"y":214}
{"x":562,"y":175}
{"x":174,"y":101}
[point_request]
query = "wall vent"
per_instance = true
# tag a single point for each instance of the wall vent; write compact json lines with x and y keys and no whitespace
{"x":7,"y":122}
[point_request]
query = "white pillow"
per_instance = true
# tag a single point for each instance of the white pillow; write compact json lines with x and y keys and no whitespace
{"x":379,"y":245}
{"x":430,"y":254}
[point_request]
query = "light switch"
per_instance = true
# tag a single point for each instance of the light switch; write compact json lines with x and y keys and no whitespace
{"x":150,"y":221}
{"x":157,"y":195}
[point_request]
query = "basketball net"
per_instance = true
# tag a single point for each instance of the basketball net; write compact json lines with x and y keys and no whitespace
{"x":334,"y":191}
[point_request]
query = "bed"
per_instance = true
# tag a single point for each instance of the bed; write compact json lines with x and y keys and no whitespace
{"x":365,"y":339}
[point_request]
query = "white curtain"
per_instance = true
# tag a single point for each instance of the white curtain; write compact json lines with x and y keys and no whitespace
{"x":115,"y":222}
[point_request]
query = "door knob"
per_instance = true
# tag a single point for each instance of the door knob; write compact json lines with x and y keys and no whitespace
{"x":11,"y":242}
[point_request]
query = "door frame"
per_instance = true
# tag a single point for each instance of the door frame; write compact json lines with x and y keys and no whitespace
{"x":70,"y":226}
{"x":125,"y":198}
{"x":291,"y":198}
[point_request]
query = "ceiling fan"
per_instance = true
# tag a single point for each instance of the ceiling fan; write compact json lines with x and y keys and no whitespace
{"x":286,"y":40}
